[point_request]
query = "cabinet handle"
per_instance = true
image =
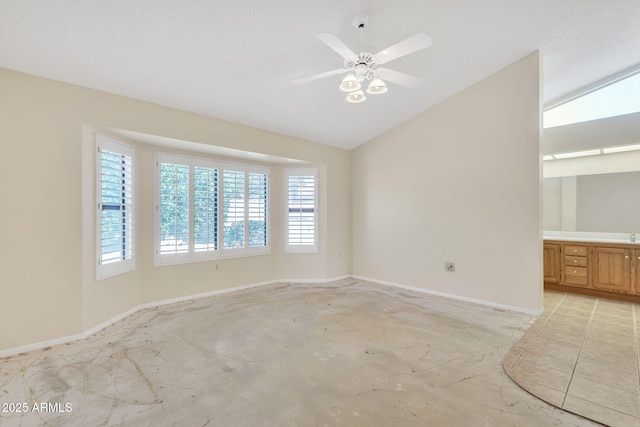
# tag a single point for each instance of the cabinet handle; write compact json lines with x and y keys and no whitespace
{"x":626,"y":257}
{"x":575,"y":271}
{"x":575,"y":260}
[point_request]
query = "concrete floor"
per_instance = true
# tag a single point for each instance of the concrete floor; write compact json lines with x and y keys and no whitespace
{"x":347,"y":353}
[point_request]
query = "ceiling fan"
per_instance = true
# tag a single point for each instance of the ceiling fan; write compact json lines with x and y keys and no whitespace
{"x":365,"y":66}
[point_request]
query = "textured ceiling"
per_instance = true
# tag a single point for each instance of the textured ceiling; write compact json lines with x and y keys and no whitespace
{"x":234,"y":60}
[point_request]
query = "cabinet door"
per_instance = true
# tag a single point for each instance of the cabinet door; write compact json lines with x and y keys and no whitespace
{"x":552,"y":263}
{"x":637,"y":276}
{"x":612,"y":269}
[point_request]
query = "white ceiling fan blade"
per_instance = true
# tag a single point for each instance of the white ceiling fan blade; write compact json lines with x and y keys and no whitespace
{"x":318,"y":76}
{"x":336,"y":44}
{"x":398,"y":78}
{"x":405,"y":47}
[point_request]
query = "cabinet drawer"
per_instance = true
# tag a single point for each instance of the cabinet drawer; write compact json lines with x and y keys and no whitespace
{"x":575,"y":276}
{"x":575,"y":250}
{"x":577,"y":261}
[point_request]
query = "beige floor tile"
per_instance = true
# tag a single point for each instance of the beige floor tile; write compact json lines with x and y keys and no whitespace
{"x":605,"y":395}
{"x":547,"y":394}
{"x":513,"y":355}
{"x":544,"y":345}
{"x":569,"y":327}
{"x":602,"y":414}
{"x":561,"y":335}
{"x":561,"y":362}
{"x":528,"y":372}
{"x":623,"y":379}
{"x":624,"y":348}
{"x":608,"y":360}
{"x":578,"y":304}
{"x":604,"y":375}
{"x":617,"y":324}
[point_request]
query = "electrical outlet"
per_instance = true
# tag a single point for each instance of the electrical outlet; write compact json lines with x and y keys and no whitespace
{"x":450,"y":267}
{"x":217,"y":267}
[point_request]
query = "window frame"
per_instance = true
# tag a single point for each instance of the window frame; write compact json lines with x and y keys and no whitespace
{"x":301,"y":248}
{"x":127,"y":263}
{"x":220,"y":252}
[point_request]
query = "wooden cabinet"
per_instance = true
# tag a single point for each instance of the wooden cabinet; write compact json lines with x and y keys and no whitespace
{"x":601,"y":269}
{"x":612,"y":269}
{"x":636,"y":260}
{"x":552,"y":264}
{"x":575,"y":265}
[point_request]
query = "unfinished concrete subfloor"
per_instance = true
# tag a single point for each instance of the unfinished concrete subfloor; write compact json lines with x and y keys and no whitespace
{"x":348,"y":353}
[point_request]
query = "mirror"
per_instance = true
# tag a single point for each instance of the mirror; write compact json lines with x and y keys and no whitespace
{"x":608,"y":203}
{"x":596,"y":193}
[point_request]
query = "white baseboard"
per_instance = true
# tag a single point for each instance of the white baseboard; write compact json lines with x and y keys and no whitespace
{"x":62,"y":340}
{"x":333,"y":279}
{"x":454,"y":296}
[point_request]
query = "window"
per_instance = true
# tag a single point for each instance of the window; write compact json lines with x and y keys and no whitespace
{"x":302,"y":205}
{"x":617,"y":98}
{"x":208,"y":209}
{"x":115,"y":221}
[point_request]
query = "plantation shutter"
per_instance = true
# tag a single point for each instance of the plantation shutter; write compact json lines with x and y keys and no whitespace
{"x":115,"y":213}
{"x":174,"y":208}
{"x":302,"y":218}
{"x":234,"y":209}
{"x":258,"y":209}
{"x":205,"y":207}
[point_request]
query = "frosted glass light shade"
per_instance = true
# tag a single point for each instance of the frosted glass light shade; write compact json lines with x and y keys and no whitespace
{"x":356,"y":97}
{"x":376,"y":87}
{"x":350,"y":84}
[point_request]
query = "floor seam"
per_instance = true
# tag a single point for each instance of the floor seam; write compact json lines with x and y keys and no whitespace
{"x":526,"y":346}
{"x":635,"y":335}
{"x":584,"y":338}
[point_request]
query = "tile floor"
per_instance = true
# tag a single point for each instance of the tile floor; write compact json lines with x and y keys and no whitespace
{"x":582,"y":356}
{"x":348,"y":353}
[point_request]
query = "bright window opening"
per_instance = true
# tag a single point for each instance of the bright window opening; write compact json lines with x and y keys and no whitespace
{"x":618,"y":98}
{"x":208,"y":209}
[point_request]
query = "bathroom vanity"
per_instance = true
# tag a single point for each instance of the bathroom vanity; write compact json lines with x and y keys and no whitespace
{"x":598,"y":264}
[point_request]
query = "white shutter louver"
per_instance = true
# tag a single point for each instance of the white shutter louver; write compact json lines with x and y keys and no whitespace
{"x":258,"y":209}
{"x":115,"y":216}
{"x":174,"y":208}
{"x":234,"y":209}
{"x":205,"y":201}
{"x":302,"y":220}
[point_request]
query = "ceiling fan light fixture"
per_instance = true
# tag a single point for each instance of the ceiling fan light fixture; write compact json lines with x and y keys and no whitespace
{"x":356,"y":97}
{"x":350,"y":84}
{"x":377,"y":87}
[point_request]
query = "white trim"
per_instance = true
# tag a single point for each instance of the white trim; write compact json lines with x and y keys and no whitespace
{"x":454,"y":296}
{"x":332,"y":279}
{"x":63,"y":340}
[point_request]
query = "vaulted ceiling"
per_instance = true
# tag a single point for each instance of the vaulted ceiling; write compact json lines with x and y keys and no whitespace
{"x":235,"y":60}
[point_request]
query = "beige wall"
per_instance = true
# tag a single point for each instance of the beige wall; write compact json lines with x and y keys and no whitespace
{"x":47,"y":279}
{"x":460,"y":182}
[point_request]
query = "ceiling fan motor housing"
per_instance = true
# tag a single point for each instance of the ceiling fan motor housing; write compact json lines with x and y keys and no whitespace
{"x":363,"y":67}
